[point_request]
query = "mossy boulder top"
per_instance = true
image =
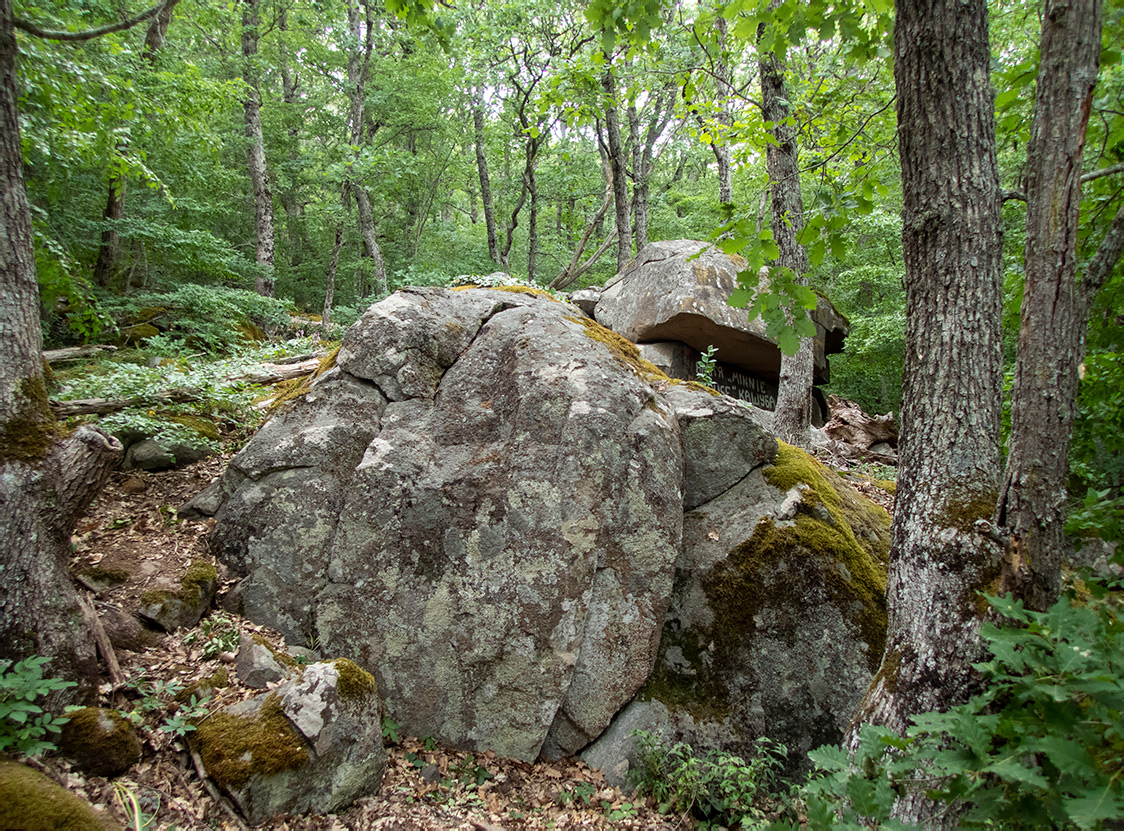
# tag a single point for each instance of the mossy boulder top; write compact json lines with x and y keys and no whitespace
{"x":483,"y":504}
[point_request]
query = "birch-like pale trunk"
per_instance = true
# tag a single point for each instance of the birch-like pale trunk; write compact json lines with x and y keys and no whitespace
{"x":792,"y":417}
{"x":259,"y":174}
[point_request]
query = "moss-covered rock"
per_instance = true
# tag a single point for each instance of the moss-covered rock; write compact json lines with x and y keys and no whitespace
{"x":204,"y":687}
{"x":102,"y":742}
{"x":182,"y":605}
{"x":235,"y":748}
{"x":30,"y":801}
{"x":778,"y":618}
{"x":306,"y":746}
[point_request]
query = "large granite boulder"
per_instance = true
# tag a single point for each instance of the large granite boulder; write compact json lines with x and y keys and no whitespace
{"x":676,"y":291}
{"x":481,"y":504}
{"x":777,"y":620}
{"x":494,"y":505}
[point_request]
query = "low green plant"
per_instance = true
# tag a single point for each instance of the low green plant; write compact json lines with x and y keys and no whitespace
{"x":1041,"y":747}
{"x":704,"y":369}
{"x":180,"y":723}
{"x":580,"y":792}
{"x":718,"y":788}
{"x":23,"y":723}
{"x":390,"y":731}
{"x":217,"y":633}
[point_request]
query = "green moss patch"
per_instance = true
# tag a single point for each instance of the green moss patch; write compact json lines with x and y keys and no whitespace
{"x":513,"y":289}
{"x":235,"y":748}
{"x":202,"y":426}
{"x":32,"y":802}
{"x":837,"y":545}
{"x":29,"y":435}
{"x":102,"y":742}
{"x":355,"y":682}
{"x":622,"y":349}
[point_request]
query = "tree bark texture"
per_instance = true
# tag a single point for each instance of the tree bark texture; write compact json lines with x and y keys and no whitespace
{"x":255,"y":149}
{"x":941,"y":554}
{"x":1054,"y":310}
{"x":485,"y":183}
{"x":358,"y":65}
{"x":620,"y":173}
{"x":792,"y":418}
{"x":45,"y":482}
{"x":296,"y":232}
{"x":723,"y":78}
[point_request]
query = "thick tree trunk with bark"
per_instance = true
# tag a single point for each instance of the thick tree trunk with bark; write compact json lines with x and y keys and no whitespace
{"x":792,"y":418}
{"x":45,"y":481}
{"x":1054,"y":307}
{"x":942,"y":552}
{"x":255,"y":149}
{"x":620,"y":173}
{"x":296,"y":231}
{"x":485,"y":183}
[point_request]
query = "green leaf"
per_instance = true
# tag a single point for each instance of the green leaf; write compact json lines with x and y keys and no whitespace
{"x":789,"y":342}
{"x":740,"y":297}
{"x":1087,"y":811}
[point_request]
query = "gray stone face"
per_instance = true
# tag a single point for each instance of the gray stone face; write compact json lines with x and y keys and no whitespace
{"x":723,"y":440}
{"x":487,"y":507}
{"x":496,"y":544}
{"x":776,"y":620}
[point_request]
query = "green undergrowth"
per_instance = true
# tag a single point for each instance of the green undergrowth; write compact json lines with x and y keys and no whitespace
{"x":156,"y":384}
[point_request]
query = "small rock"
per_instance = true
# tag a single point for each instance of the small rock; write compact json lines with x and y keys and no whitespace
{"x":183,"y":605}
{"x":134,"y":484}
{"x":258,"y":665}
{"x":102,"y":742}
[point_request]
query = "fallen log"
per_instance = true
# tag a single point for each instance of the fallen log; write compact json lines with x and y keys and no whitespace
{"x":76,"y":353}
{"x":268,"y":375}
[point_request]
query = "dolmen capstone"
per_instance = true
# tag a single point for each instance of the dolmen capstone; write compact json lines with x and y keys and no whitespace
{"x":529,"y":535}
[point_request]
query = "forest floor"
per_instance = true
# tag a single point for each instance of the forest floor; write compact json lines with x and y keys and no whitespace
{"x":133,"y":528}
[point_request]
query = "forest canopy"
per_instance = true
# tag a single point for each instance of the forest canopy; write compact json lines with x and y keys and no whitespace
{"x":329,"y":152}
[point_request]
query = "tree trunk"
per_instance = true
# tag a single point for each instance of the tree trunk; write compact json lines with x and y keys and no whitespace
{"x":330,"y":279}
{"x":792,"y":418}
{"x":620,"y":173}
{"x":1054,"y":316}
{"x":723,"y":77}
{"x":485,"y":184}
{"x":45,"y":481}
{"x":296,"y":232}
{"x":259,"y":175}
{"x":941,"y":554}
{"x":358,"y":64}
{"x":532,"y":222}
{"x":110,"y":249}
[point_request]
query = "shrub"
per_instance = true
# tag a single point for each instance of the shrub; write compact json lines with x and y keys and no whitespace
{"x":718,"y":788}
{"x":23,"y":723}
{"x":1041,"y":747}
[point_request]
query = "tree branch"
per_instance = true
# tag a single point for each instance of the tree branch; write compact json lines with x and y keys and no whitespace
{"x":1104,"y":171}
{"x":89,"y":34}
{"x":1108,"y":254}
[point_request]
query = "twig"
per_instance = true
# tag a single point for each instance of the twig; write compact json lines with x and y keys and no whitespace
{"x":105,"y":646}
{"x":212,"y":790}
